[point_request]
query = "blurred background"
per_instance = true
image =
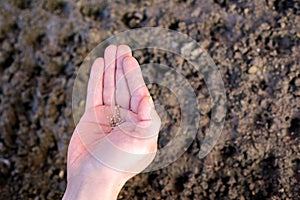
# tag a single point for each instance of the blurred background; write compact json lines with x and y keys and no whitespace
{"x":255,"y":44}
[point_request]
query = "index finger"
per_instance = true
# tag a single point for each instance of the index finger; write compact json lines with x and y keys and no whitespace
{"x":95,"y":84}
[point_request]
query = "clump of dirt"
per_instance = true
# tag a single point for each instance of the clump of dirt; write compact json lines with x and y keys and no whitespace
{"x":256,"y":45}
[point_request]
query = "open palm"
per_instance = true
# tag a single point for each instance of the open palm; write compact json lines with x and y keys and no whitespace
{"x":117,"y":134}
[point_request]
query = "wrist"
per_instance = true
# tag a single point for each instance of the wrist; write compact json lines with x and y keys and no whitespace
{"x":81,"y":188}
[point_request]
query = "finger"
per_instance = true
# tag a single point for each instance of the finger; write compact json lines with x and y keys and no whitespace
{"x":109,"y":75}
{"x":122,"y":91}
{"x":95,"y":84}
{"x":144,"y":109}
{"x":135,"y":81}
{"x":150,"y":122}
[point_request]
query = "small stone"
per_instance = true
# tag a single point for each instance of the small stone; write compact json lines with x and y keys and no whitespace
{"x":61,"y":174}
{"x":246,"y":10}
{"x":265,"y":26}
{"x":281,"y":190}
{"x":253,"y":70}
{"x":81,"y":103}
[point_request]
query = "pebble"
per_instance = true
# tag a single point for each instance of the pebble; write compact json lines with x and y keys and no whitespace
{"x":81,"y":103}
{"x":253,"y":70}
{"x":246,"y":10}
{"x":61,"y":174}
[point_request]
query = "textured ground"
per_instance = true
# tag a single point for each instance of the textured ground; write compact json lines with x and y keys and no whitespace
{"x":256,"y":45}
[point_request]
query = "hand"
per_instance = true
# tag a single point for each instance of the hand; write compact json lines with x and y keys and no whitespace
{"x":116,"y":137}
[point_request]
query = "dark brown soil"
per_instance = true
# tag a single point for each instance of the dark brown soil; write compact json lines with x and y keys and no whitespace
{"x":256,"y":45}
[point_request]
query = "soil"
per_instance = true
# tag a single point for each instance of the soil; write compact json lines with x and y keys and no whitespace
{"x":255,"y":44}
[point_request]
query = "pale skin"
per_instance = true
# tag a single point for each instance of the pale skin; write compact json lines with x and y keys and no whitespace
{"x":95,"y":169}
